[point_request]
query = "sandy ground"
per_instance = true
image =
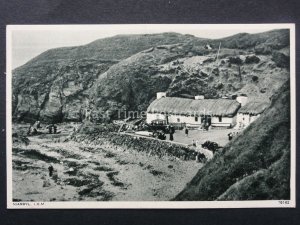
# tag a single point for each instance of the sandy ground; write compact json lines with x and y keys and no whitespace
{"x":219,"y":136}
{"x":94,"y":173}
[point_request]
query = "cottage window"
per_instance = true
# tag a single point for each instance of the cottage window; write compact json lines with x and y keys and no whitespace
{"x":178,"y":120}
{"x":220,"y":118}
{"x":196,"y":119}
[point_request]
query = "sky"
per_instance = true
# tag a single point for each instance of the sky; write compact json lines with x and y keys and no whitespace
{"x":29,"y":41}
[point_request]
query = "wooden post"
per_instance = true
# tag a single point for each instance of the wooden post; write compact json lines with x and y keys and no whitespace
{"x":218,"y":52}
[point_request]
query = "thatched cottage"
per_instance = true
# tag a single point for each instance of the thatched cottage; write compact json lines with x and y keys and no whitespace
{"x":193,"y":112}
{"x":249,"y":113}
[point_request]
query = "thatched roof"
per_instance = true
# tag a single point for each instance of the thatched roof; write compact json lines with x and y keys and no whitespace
{"x":254,"y":108}
{"x":184,"y":106}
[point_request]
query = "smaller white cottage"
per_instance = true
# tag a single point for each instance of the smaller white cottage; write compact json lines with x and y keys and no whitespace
{"x":249,"y":113}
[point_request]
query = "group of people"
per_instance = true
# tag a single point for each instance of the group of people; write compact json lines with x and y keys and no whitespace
{"x":232,"y":135}
{"x":205,"y":126}
{"x":33,"y":129}
{"x":52,"y":127}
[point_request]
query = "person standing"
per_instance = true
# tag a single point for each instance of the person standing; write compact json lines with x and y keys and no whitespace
{"x":197,"y":157}
{"x":171,"y":136}
{"x":50,"y":128}
{"x":230,"y":135}
{"x":54,"y":128}
{"x":50,"y":169}
{"x":172,"y":129}
{"x":186,"y":132}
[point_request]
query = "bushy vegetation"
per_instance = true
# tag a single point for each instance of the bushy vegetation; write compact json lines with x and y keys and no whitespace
{"x":252,"y":59}
{"x":34,"y":154}
{"x":112,"y":177}
{"x":235,"y":60}
{"x":254,"y":166}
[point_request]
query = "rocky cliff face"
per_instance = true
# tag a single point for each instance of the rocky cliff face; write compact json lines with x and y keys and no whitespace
{"x":54,"y":92}
{"x":125,"y":72}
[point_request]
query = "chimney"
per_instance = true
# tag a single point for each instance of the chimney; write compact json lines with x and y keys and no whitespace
{"x":161,"y":95}
{"x":199,"y":97}
{"x":242,"y":99}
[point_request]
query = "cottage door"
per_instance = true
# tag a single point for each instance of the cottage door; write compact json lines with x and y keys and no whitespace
{"x":208,"y":120}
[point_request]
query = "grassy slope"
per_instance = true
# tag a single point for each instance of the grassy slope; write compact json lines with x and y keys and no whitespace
{"x":275,"y":39}
{"x":253,"y":166}
{"x":113,"y":48}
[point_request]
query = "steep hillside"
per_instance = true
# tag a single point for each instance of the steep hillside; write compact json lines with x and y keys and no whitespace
{"x":54,"y":85}
{"x":132,"y":83}
{"x":125,"y":72}
{"x":255,"y":165}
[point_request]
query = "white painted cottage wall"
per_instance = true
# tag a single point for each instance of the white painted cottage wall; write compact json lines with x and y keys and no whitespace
{"x":245,"y":119}
{"x":184,"y":119}
{"x":226,"y":121}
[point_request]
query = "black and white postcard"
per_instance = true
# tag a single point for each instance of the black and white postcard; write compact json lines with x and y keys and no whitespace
{"x":151,"y":116}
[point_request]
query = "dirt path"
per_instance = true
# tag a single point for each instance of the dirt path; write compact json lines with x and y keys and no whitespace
{"x":219,"y":136}
{"x":94,"y":173}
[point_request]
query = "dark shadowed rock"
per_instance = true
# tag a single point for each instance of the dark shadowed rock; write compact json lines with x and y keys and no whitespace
{"x":281,"y":59}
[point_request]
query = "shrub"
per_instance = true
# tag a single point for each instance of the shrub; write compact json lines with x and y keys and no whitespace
{"x":34,"y":154}
{"x":254,"y":78}
{"x":235,"y":60}
{"x":252,"y":59}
